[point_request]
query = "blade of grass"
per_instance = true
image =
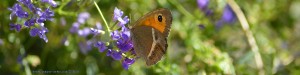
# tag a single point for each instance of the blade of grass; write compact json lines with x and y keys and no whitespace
{"x":251,"y":40}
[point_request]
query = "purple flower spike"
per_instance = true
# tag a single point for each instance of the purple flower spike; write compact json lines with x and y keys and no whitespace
{"x":15,"y":26}
{"x":29,"y":22}
{"x":83,"y":17}
{"x":114,"y":54}
{"x":101,"y":46}
{"x":118,"y":16}
{"x":127,"y":62}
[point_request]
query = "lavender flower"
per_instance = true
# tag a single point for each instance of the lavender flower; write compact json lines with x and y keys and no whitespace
{"x":115,"y":35}
{"x":100,"y":45}
{"x":15,"y":26}
{"x":84,"y":32}
{"x":125,"y":43}
{"x":83,"y":17}
{"x":38,"y":16}
{"x":97,"y":29}
{"x":75,"y":27}
{"x":118,"y":16}
{"x":228,"y":17}
{"x":121,"y":39}
{"x":30,"y":22}
{"x":28,"y":4}
{"x":46,"y":15}
{"x":123,"y":21}
{"x":18,"y":11}
{"x":40,"y":32}
{"x":127,"y":62}
{"x":34,"y":32}
{"x":114,"y":54}
{"x":203,"y":5}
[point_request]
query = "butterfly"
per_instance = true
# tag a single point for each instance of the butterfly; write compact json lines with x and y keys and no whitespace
{"x":150,"y":33}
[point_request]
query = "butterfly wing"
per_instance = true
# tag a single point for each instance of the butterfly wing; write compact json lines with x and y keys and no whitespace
{"x":149,"y":35}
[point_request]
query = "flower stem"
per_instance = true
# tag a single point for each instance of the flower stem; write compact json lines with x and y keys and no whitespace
{"x":249,"y":35}
{"x":108,"y":29}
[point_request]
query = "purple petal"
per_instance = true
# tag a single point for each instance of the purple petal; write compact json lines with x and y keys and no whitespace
{"x":74,"y":28}
{"x":116,"y":55}
{"x":31,"y":7}
{"x":127,"y":62}
{"x":42,"y":34}
{"x":15,"y":26}
{"x":98,"y":25}
{"x":84,"y":32}
{"x":124,"y":45}
{"x":101,"y":46}
{"x":125,"y":66}
{"x":115,"y":35}
{"x":109,"y":52}
{"x":117,"y":14}
{"x":29,"y":22}
{"x":228,"y":15}
{"x":202,"y":4}
{"x":21,"y":14}
{"x":82,"y":17}
{"x":123,"y":21}
{"x":33,"y":32}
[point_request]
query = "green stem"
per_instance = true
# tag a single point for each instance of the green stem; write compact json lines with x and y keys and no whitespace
{"x":108,"y":29}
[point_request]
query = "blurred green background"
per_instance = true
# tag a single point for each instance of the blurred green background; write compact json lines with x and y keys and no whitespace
{"x":208,"y":49}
